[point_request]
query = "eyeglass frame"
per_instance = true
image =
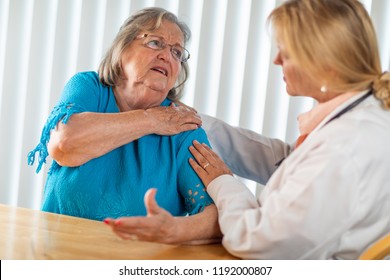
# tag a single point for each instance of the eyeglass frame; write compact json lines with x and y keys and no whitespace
{"x":164,"y":45}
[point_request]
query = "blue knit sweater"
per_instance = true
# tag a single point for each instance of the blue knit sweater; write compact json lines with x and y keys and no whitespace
{"x":114,"y":184}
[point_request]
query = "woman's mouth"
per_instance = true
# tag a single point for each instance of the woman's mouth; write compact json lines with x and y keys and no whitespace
{"x":161,"y":70}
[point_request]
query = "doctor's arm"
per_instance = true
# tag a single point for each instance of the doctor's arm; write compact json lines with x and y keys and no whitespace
{"x":248,"y":154}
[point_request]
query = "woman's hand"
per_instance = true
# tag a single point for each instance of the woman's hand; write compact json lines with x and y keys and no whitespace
{"x":170,"y":120}
{"x":160,"y":226}
{"x":178,"y":103}
{"x":157,"y":226}
{"x":208,"y":164}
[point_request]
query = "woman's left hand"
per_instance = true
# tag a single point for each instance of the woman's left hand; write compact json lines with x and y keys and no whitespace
{"x":208,"y":164}
{"x":157,"y":226}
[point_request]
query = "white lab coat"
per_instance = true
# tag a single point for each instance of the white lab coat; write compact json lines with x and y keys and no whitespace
{"x":329,"y":199}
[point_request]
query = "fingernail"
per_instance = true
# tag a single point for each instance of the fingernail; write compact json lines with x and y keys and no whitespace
{"x":106,"y":222}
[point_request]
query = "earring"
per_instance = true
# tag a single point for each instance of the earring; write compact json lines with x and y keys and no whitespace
{"x":324,"y":89}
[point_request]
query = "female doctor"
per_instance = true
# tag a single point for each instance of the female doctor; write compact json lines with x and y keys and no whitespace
{"x":328,"y":197}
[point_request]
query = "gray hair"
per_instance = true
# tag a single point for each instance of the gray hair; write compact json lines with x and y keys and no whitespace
{"x":110,"y":68}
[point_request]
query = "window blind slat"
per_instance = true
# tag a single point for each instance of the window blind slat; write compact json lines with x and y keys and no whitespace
{"x":380,"y":12}
{"x":210,"y":56}
{"x":37,"y":96}
{"x":90,"y":45}
{"x":4,"y":6}
{"x":190,"y":12}
{"x":233,"y":60}
{"x":13,"y":104}
{"x":256,"y":67}
{"x":115,"y":14}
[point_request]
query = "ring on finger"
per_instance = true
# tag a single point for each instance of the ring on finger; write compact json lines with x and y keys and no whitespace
{"x":207,"y":164}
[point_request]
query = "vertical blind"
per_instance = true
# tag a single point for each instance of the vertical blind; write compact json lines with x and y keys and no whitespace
{"x":44,"y":42}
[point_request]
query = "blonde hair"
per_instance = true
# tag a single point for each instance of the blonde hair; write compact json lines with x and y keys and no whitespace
{"x":334,"y":41}
{"x":149,"y":19}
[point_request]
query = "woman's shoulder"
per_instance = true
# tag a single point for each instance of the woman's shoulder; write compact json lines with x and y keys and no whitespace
{"x":187,"y":137}
{"x":85,"y":89}
{"x":89,"y":77}
{"x":86,"y":82}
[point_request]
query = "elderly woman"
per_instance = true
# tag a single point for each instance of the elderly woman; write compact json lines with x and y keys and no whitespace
{"x":116,"y":134}
{"x":330,"y":197}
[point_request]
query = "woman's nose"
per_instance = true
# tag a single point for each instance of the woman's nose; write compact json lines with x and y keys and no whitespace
{"x":277,"y":59}
{"x":165,"y":53}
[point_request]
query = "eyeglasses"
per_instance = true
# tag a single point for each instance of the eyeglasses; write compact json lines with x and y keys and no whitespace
{"x":155,"y":42}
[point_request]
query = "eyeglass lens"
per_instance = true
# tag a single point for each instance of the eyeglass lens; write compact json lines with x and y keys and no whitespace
{"x":158,"y":43}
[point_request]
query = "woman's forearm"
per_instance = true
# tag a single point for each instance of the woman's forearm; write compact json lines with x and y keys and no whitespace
{"x":198,"y":229}
{"x":90,"y":135}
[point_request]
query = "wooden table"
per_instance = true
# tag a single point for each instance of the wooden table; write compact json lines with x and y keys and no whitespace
{"x":30,"y":234}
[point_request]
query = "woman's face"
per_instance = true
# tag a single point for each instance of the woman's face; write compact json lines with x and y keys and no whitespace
{"x":297,"y":82}
{"x":149,"y":74}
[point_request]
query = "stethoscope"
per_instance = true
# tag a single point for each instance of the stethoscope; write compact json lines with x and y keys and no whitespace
{"x":339,"y":114}
{"x":350,"y":107}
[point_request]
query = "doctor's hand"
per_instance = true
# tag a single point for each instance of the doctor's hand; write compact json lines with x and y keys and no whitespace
{"x":157,"y":226}
{"x":208,"y":164}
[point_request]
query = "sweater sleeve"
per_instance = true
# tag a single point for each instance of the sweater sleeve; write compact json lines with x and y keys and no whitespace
{"x":189,"y":184}
{"x":79,"y":95}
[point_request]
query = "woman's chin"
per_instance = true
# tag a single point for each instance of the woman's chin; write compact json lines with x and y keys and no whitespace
{"x":289,"y":92}
{"x":157,"y":85}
